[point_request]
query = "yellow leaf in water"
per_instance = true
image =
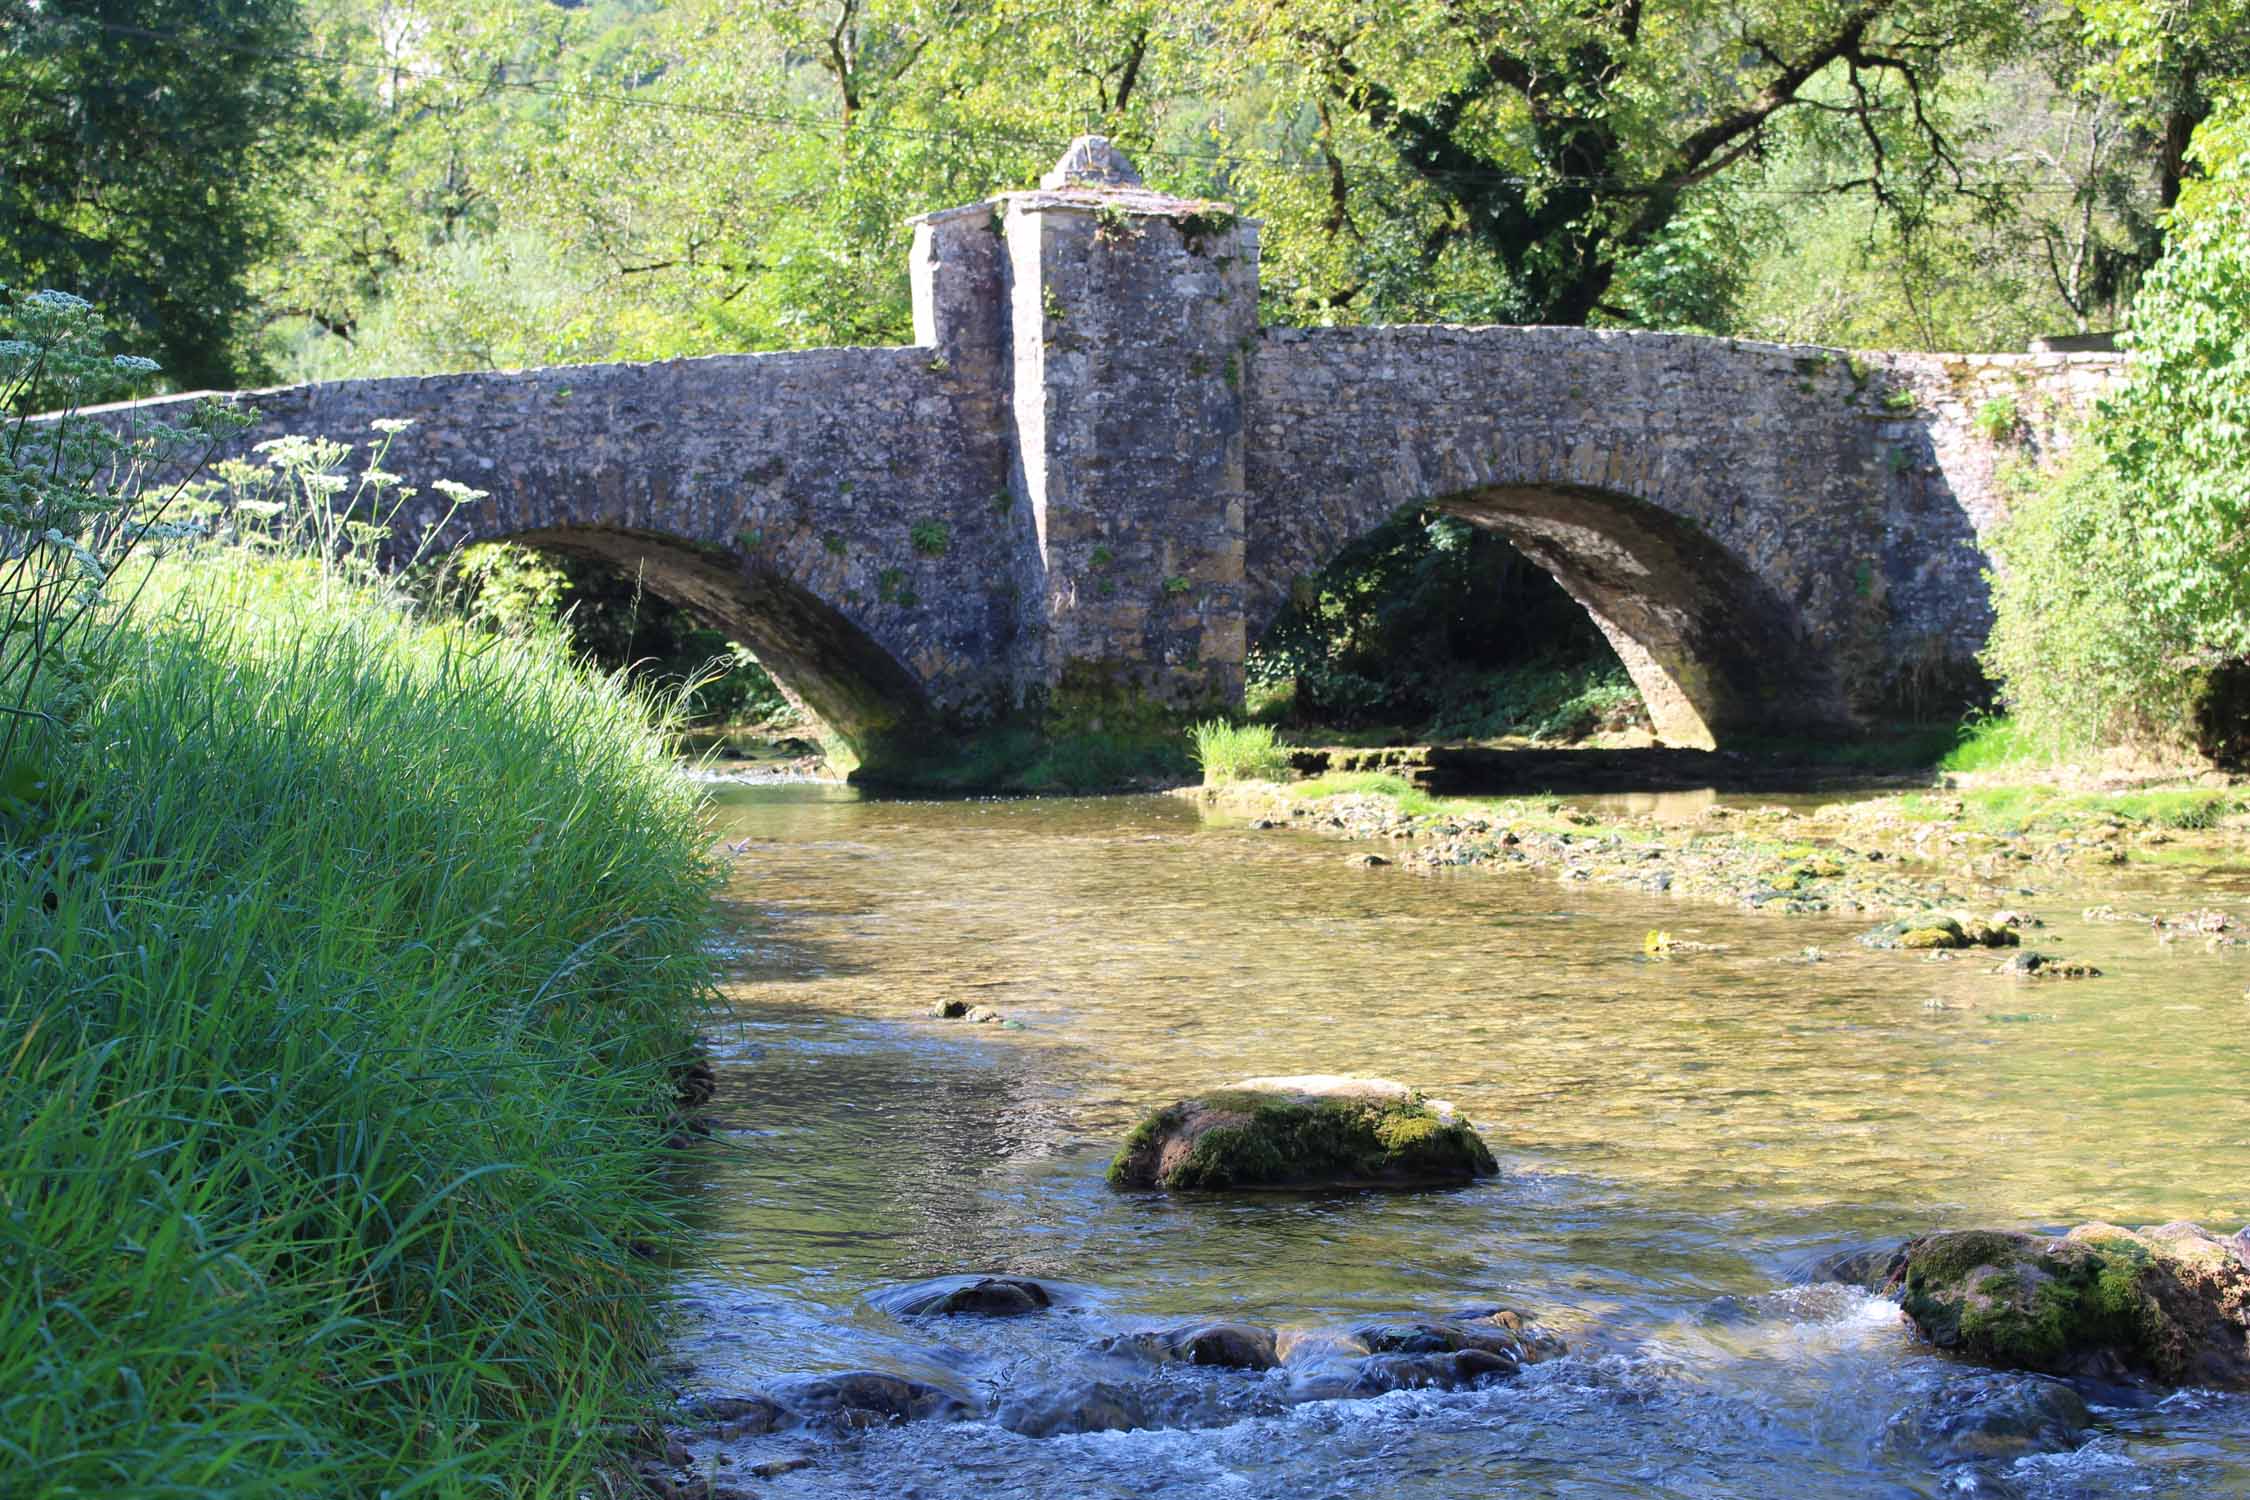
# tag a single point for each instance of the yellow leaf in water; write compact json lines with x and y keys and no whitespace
{"x":1657,"y":941}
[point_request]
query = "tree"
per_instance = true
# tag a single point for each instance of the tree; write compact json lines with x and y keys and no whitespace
{"x":144,"y":145}
{"x":1566,"y":142}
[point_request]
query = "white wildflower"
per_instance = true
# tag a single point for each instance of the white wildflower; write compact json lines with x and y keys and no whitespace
{"x":134,"y":364}
{"x":326,"y":484}
{"x":391,"y":426}
{"x":457,"y":492}
{"x":58,"y":301}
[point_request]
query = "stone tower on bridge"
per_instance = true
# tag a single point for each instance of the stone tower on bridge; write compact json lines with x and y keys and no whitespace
{"x":1095,"y":477}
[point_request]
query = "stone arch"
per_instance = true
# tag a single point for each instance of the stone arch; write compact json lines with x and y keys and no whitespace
{"x":872,"y":706}
{"x":1715,"y":652}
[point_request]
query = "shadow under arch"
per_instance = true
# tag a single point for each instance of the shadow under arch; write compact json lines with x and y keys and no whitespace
{"x":821,"y":661}
{"x":1714,"y":650}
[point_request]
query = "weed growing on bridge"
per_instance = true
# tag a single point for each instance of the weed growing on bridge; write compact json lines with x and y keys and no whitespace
{"x":1997,"y":420}
{"x":342,"y":978}
{"x":930,"y":538}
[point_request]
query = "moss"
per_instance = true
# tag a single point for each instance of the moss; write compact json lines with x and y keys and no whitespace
{"x":1142,"y":1141}
{"x":1261,"y":1139}
{"x":2013,"y":1301}
{"x":1940,"y":932}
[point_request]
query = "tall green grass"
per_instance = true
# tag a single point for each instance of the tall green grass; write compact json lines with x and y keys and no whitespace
{"x":345,"y":962}
{"x":1989,"y":741}
{"x":1238,"y":752}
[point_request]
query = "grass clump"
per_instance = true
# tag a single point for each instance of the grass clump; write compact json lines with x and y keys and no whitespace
{"x":1988,"y":741}
{"x":346,"y":961}
{"x":1238,"y":752}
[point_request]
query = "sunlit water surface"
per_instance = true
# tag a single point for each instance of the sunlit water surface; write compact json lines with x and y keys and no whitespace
{"x":1680,"y":1139}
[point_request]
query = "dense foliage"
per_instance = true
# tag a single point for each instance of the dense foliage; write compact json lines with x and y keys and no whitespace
{"x":343,"y":186}
{"x":2124,"y":587}
{"x":145,"y":149}
{"x":1429,"y":624}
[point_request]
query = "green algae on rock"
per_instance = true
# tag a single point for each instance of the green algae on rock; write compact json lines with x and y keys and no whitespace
{"x":1934,"y":931}
{"x":1309,"y":1132}
{"x":2170,"y":1304}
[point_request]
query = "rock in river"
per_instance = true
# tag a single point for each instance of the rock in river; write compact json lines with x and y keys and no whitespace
{"x":867,"y":1398}
{"x":2171,"y":1304}
{"x":970,"y":1296}
{"x":1236,"y":1346}
{"x":1310,"y":1132}
{"x":1990,"y":1417}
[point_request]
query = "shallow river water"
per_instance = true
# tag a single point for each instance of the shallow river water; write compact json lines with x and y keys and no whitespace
{"x":1680,"y":1140}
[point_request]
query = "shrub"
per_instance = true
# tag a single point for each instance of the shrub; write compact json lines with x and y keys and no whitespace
{"x":2123,"y":579}
{"x":2084,"y":653}
{"x":1238,"y":752}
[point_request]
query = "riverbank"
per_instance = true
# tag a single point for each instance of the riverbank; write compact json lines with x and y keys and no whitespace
{"x":349,"y":958}
{"x":1890,"y":856}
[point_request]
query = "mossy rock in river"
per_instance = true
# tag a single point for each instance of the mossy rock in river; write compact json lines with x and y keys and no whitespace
{"x":1304,"y":1133}
{"x":1933,"y":930}
{"x":2170,"y":1304}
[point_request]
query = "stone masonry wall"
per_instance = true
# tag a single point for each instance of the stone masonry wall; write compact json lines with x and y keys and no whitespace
{"x":1769,"y":533}
{"x":815,"y":504}
{"x":1094,"y":480}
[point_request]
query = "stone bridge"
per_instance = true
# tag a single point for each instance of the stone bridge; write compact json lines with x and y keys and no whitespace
{"x":1095,"y":478}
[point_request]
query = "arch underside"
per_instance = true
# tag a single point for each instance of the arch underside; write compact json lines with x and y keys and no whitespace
{"x":823,"y":663}
{"x":1715,"y":651}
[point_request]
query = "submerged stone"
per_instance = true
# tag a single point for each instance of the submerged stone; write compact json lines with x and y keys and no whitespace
{"x":1235,"y":1346}
{"x":739,"y":1416}
{"x":1082,"y":1406}
{"x":1447,"y":1354}
{"x":866,"y":1398}
{"x":1935,"y":931}
{"x":1989,"y":1418}
{"x":965,"y":1296}
{"x":2170,"y":1304}
{"x":1311,"y":1132}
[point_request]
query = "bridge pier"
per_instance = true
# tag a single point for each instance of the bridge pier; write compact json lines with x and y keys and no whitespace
{"x":1121,"y":322}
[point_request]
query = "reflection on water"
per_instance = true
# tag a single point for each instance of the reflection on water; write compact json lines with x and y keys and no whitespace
{"x":1679,"y":1138}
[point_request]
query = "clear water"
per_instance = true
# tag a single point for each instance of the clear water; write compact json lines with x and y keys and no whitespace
{"x":1679,"y":1139}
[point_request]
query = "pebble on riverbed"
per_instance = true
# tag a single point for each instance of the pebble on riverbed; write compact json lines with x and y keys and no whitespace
{"x":962,"y":1010}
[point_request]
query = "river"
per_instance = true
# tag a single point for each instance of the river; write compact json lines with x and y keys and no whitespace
{"x":1681,"y":1139}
